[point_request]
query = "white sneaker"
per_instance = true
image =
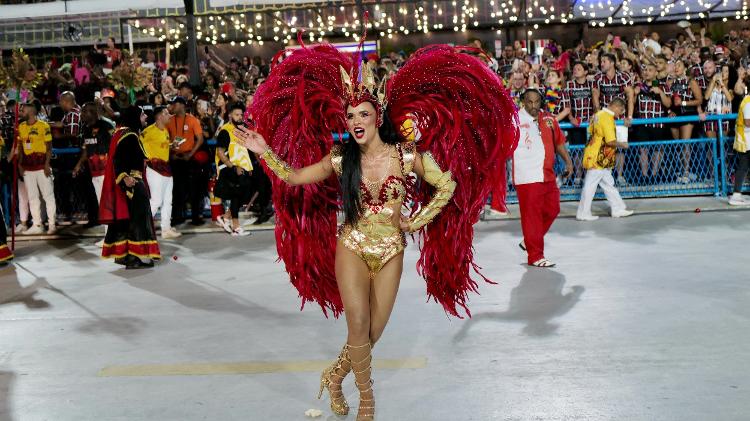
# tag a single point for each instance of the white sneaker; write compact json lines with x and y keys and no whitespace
{"x":51,"y":230}
{"x":622,"y":214}
{"x":222,"y":222}
{"x":171,"y":234}
{"x":100,"y":243}
{"x":587,"y":218}
{"x":34,"y":230}
{"x":240,"y":232}
{"x":737,"y":199}
{"x":21,"y":228}
{"x":494,"y":214}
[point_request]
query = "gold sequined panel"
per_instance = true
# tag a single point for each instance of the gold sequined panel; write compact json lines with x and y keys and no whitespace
{"x":336,"y":157}
{"x":375,"y":241}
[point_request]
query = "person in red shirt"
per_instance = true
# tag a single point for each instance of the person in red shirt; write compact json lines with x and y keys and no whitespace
{"x":534,"y":174}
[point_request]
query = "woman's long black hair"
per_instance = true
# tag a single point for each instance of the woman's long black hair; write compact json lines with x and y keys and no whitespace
{"x":351,"y":170}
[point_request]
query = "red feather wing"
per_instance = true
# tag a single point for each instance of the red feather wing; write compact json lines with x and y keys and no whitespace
{"x":296,"y":109}
{"x":468,"y":122}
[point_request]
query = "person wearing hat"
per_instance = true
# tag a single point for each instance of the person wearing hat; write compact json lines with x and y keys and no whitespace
{"x":156,"y":145}
{"x":124,"y":206}
{"x":188,"y":165}
{"x":534,"y":175}
{"x":35,"y":138}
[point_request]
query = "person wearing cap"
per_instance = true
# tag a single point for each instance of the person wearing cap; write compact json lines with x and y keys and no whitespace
{"x":534,"y":175}
{"x":188,"y":165}
{"x":156,"y":145}
{"x":35,"y":138}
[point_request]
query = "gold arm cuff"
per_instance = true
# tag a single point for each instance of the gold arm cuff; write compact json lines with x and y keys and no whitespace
{"x":276,"y":164}
{"x":444,"y":185}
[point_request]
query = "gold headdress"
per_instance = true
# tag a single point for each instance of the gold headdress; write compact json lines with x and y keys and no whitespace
{"x":360,"y":84}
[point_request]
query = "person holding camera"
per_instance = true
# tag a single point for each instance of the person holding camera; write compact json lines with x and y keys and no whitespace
{"x":534,"y":174}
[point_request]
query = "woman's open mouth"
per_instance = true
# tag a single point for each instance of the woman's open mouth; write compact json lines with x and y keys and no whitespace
{"x":359,"y":133}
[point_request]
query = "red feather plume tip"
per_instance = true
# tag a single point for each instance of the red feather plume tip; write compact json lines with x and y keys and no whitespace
{"x":296,"y":109}
{"x":469,"y":123}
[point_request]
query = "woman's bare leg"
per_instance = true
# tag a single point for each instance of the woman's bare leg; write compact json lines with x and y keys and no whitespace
{"x":353,"y":279}
{"x":383,"y":295}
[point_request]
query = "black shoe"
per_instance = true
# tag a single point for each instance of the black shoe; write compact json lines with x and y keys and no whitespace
{"x":138,"y":264}
{"x":91,"y":224}
{"x":263,"y":217}
{"x":197,"y":222}
{"x":178,"y":221}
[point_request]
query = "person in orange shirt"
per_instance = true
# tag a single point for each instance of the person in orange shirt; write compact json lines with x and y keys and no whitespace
{"x":188,"y":163}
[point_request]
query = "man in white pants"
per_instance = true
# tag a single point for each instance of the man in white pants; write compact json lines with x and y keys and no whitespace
{"x":35,"y":139}
{"x":599,"y":159}
{"x":96,"y":134}
{"x":157,"y":145}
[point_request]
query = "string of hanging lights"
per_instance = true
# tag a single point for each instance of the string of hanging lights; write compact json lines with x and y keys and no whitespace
{"x":392,"y":18}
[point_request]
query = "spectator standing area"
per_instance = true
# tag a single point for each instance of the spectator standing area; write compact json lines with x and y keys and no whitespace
{"x":644,"y":318}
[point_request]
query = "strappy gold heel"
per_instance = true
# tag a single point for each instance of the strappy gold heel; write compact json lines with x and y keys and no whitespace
{"x":362,"y":378}
{"x":336,"y":394}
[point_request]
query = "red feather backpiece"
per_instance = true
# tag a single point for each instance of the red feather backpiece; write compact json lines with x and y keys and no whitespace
{"x":468,"y":122}
{"x":297,"y":109}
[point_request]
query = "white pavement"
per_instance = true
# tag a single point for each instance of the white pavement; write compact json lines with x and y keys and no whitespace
{"x":645,"y":318}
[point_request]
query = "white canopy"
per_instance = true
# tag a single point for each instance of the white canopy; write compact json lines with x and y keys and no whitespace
{"x":77,"y":7}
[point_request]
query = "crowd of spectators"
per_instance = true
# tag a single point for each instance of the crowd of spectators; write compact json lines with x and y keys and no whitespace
{"x":691,"y":74}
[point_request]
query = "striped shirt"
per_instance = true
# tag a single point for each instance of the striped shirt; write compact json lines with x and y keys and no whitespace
{"x":610,"y":89}
{"x":649,"y":104}
{"x":577,"y":97}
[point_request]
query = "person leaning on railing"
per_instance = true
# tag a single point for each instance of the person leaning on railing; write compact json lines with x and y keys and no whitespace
{"x":742,"y":147}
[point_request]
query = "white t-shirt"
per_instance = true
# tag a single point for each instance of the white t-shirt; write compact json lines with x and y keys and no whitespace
{"x":528,"y":158}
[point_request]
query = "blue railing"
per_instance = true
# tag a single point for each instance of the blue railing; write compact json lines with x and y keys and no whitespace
{"x":663,"y":168}
{"x":699,"y":166}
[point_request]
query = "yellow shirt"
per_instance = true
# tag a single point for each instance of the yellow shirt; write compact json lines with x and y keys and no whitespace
{"x":598,"y":155}
{"x":238,"y":154}
{"x":742,"y":133}
{"x":34,"y":138}
{"x":156,"y":143}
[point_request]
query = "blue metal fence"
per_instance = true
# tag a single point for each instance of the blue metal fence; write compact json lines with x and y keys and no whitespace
{"x":662,"y":168}
{"x":699,"y":166}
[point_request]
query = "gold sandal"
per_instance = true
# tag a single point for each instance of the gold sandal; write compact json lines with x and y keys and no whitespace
{"x":336,"y":393}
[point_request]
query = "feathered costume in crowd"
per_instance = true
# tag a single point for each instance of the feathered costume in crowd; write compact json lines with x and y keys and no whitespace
{"x":460,"y":113}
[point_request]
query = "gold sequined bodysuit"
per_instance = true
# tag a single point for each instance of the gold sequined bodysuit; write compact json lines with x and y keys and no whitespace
{"x":377,"y":236}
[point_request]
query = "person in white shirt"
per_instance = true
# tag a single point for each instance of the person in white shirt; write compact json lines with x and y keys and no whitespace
{"x":534,"y":175}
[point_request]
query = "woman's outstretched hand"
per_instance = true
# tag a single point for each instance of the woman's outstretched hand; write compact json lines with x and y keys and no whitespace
{"x":251,"y":139}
